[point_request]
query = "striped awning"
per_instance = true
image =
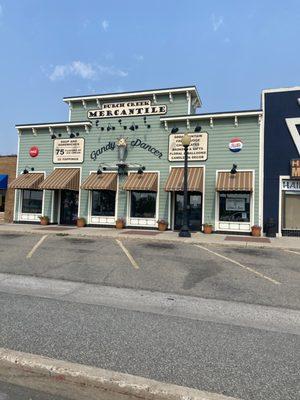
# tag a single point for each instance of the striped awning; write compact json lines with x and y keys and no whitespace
{"x":176,"y":176}
{"x":31,"y":181}
{"x":62,"y":178}
{"x":241,"y":181}
{"x":145,"y":181}
{"x":104,"y":181}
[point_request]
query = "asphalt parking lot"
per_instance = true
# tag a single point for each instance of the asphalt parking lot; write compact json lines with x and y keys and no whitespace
{"x":252,"y":275}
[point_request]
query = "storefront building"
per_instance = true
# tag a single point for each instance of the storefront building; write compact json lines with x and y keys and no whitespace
{"x":7,"y":175}
{"x":281,"y":149}
{"x":120,"y":156}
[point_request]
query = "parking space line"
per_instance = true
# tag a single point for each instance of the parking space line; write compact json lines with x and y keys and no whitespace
{"x":253,"y":271}
{"x":294,"y":252}
{"x":129,"y":256}
{"x":32,"y":251}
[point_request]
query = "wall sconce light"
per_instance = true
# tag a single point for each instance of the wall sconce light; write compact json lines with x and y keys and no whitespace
{"x":72,"y":135}
{"x":133,"y":127}
{"x":141,"y":170}
{"x":25,"y":171}
{"x":53,"y":136}
{"x":233,"y":170}
{"x":99,"y":172}
{"x":174,"y":130}
{"x":198,"y":128}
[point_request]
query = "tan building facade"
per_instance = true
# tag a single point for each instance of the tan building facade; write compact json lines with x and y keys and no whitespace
{"x":7,"y":175}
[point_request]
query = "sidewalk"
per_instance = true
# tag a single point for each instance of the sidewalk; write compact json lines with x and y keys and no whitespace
{"x":197,"y":237}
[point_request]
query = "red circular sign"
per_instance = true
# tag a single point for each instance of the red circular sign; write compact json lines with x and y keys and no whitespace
{"x":34,"y":151}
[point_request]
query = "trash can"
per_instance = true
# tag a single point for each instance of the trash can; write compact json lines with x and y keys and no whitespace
{"x":271,"y":228}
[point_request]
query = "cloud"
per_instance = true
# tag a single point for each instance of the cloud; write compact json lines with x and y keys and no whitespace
{"x":217,"y":22}
{"x":84,"y":70}
{"x":105,"y":25}
{"x":138,"y":57}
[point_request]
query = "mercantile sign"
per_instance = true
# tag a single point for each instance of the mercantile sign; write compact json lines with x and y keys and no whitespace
{"x":127,"y":109}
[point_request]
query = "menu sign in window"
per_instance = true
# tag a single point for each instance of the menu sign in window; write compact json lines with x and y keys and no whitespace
{"x":68,"y":151}
{"x":197,"y":150}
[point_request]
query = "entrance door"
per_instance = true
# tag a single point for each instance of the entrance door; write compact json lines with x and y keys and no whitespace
{"x":194,"y":210}
{"x":68,"y":207}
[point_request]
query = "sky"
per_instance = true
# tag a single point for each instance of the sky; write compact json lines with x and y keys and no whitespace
{"x":230,"y":50}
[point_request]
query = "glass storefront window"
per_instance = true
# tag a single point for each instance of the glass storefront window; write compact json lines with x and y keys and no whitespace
{"x":234,"y":206}
{"x":143,"y":204}
{"x":32,"y":201}
{"x":291,"y":212}
{"x":103,"y":203}
{"x":2,"y":200}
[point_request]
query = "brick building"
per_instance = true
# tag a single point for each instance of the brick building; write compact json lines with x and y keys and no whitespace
{"x":7,"y":174}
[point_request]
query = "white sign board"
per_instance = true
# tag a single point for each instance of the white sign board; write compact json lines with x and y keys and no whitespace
{"x":197,"y":150}
{"x":290,"y":184}
{"x":127,"y":109}
{"x":68,"y":151}
{"x":235,"y":204}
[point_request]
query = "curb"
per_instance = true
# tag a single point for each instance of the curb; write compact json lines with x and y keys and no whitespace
{"x":191,"y":241}
{"x":81,"y":382}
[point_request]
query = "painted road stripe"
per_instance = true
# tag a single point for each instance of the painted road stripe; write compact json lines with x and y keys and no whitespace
{"x":32,"y":251}
{"x":131,"y":259}
{"x":294,"y":252}
{"x":253,"y":271}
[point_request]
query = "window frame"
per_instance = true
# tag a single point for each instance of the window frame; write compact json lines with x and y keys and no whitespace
{"x":22,"y":201}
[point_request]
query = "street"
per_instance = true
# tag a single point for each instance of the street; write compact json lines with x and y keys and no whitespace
{"x":216,"y":318}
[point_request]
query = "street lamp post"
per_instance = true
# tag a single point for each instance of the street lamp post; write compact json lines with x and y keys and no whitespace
{"x":184,"y":231}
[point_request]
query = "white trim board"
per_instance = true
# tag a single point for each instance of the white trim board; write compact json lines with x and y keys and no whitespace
{"x":216,"y":115}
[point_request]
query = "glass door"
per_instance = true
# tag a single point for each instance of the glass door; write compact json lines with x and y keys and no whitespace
{"x":68,"y":207}
{"x":194,"y":208}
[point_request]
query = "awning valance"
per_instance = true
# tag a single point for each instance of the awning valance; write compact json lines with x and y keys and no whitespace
{"x":104,"y":181}
{"x":31,"y":181}
{"x":145,"y":181}
{"x":176,"y":176}
{"x":62,"y":178}
{"x":3,"y":181}
{"x":241,"y":181}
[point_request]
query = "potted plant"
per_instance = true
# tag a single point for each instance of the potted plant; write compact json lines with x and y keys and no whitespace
{"x":120,"y":223}
{"x":162,"y":225}
{"x":44,"y":220}
{"x":207,"y":228}
{"x":81,"y":222}
{"x":256,"y":230}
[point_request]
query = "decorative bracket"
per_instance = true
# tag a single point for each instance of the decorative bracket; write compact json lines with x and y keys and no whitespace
{"x":236,"y":123}
{"x":84,"y":103}
{"x":68,"y":130}
{"x":211,"y":122}
{"x":34,"y":131}
{"x":98,"y":103}
{"x":154,"y":98}
{"x":188,"y":126}
{"x":166,"y":125}
{"x":259,"y":119}
{"x":87,"y":129}
{"x":51,"y":130}
{"x":70,"y":105}
{"x":171,"y":97}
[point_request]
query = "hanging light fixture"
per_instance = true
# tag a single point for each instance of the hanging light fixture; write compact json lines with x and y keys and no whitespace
{"x":174,"y":130}
{"x":53,"y":136}
{"x":99,"y":172}
{"x":72,"y":135}
{"x":198,"y":128}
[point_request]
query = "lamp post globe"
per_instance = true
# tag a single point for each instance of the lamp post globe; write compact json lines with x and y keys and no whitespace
{"x":184,"y":231}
